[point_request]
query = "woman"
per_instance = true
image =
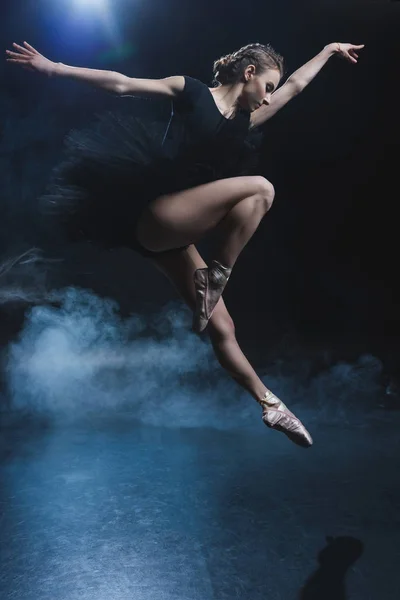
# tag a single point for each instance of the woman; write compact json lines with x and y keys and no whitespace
{"x":163,"y":191}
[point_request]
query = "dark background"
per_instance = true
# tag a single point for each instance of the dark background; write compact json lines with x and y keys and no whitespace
{"x":147,"y":471}
{"x":320,"y":277}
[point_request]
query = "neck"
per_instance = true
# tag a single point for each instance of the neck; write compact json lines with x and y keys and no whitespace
{"x":227,"y":97}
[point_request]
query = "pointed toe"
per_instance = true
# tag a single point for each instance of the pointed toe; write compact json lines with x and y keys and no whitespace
{"x":277,"y":416}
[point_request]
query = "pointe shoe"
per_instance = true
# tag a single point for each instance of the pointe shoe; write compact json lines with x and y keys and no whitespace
{"x":209,"y":284}
{"x":277,"y":416}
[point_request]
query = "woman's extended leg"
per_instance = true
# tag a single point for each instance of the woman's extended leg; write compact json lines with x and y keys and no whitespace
{"x":236,"y":205}
{"x":179,"y":268}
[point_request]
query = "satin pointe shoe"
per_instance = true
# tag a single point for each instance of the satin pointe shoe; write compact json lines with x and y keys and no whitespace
{"x":277,"y":416}
{"x":209,"y":284}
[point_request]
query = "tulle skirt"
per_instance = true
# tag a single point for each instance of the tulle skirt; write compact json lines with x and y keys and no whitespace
{"x":113,"y":169}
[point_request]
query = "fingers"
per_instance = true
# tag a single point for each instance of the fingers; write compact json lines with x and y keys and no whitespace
{"x":351,"y":58}
{"x":353,"y":55}
{"x":355,"y":47}
{"x":17,"y":60}
{"x":349,"y":52}
{"x":31,"y":48}
{"x":24,"y":53}
{"x":17,"y":55}
{"x":22,"y":50}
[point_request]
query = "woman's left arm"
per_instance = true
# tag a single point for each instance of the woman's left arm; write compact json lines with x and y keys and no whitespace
{"x":301,"y":78}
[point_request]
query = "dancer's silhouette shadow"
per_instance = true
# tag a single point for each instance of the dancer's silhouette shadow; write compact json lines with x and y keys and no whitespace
{"x":328,"y":581}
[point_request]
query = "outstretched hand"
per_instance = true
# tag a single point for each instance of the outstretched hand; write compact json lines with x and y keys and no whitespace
{"x":349,"y":51}
{"x":28,"y":58}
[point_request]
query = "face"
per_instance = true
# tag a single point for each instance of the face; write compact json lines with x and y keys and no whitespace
{"x":258,"y":88}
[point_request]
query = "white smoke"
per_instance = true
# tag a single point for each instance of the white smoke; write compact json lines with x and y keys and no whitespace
{"x":82,"y":357}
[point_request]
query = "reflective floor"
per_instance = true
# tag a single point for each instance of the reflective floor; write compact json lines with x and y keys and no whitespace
{"x":111,"y":509}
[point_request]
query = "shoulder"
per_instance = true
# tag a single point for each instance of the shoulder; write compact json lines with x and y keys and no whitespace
{"x":191,"y":92}
{"x":183,"y":84}
{"x":175,"y":84}
{"x":192,"y":86}
{"x":172,"y":87}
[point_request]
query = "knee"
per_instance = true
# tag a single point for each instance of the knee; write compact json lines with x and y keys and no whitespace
{"x":266,"y":191}
{"x":222,"y":325}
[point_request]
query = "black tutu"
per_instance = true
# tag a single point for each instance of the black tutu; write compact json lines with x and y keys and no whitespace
{"x":113,"y":169}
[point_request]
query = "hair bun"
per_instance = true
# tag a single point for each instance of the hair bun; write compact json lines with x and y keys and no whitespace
{"x":225,"y":60}
{"x":229,"y":68}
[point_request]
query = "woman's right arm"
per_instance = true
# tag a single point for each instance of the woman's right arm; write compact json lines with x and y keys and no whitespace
{"x":110,"y":81}
{"x":120,"y":84}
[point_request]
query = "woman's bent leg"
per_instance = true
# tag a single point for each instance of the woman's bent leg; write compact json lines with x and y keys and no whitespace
{"x":184,"y":217}
{"x":237,"y":205}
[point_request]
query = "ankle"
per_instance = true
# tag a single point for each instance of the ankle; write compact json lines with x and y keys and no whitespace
{"x":221,"y":271}
{"x":268,"y":399}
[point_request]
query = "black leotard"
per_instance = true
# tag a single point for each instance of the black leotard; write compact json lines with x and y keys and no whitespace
{"x":113,"y":169}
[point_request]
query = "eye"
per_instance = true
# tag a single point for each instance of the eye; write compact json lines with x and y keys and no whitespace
{"x":269,"y":88}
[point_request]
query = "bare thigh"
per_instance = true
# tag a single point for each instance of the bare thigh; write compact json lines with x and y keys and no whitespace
{"x":184,"y":217}
{"x":179,"y":267}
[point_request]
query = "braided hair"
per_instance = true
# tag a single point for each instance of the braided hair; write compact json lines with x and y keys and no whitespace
{"x":229,"y":68}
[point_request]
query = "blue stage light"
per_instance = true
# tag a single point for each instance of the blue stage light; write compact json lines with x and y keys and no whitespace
{"x":95,"y":4}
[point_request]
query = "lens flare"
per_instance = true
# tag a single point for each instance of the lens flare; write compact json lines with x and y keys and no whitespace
{"x":103,"y":4}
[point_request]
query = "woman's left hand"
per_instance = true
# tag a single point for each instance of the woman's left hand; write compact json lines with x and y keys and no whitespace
{"x":348,"y":51}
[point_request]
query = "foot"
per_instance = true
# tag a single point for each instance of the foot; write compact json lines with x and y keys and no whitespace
{"x":277,"y":416}
{"x":209,"y":284}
